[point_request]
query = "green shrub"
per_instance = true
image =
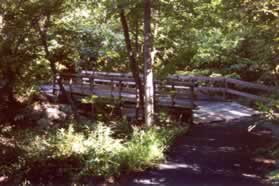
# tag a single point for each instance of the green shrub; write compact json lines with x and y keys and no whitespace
{"x":67,"y":143}
{"x":144,"y":149}
{"x":103,"y":158}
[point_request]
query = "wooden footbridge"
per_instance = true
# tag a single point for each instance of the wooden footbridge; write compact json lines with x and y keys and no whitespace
{"x":211,"y":98}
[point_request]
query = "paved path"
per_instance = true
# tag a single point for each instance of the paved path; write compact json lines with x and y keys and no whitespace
{"x":217,"y":154}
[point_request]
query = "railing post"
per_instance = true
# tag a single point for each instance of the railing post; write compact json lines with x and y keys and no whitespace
{"x":173,"y":94}
{"x":225,"y":89}
{"x":112,"y":87}
{"x":192,"y":91}
{"x":82,"y":88}
{"x":119,"y":95}
{"x":54,"y":85}
{"x":192,"y":94}
{"x":91,"y":84}
{"x":120,"y":90}
{"x":71,"y":88}
{"x":154,"y":96}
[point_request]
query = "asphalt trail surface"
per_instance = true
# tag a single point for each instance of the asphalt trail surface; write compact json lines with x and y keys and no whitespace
{"x":212,"y":154}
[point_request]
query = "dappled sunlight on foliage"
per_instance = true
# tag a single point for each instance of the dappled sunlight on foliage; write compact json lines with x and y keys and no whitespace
{"x":274,"y":175}
{"x":270,"y":110}
{"x":94,"y":149}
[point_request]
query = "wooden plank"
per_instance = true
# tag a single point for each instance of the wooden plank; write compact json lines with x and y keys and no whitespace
{"x":247,"y":95}
{"x":86,"y":77}
{"x":175,"y":83}
{"x":210,"y":89}
{"x":197,"y":78}
{"x":240,"y":83}
{"x":87,"y":72}
{"x":245,"y":84}
{"x":106,"y":88}
{"x":109,"y":74}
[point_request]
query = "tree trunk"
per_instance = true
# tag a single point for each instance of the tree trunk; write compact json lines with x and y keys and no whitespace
{"x":8,"y":88}
{"x":133,"y":63}
{"x":137,"y":45}
{"x":44,"y":39}
{"x":148,"y":73}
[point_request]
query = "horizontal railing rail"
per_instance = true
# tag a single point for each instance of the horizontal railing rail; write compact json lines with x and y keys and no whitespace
{"x":234,"y":87}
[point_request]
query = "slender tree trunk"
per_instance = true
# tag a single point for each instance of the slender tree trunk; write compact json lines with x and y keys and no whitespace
{"x":44,"y":39}
{"x":133,"y":63}
{"x":156,"y":19}
{"x":9,"y":86}
{"x":148,"y":73}
{"x":137,"y":45}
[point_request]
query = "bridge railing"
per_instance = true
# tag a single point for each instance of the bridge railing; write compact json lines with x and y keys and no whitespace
{"x":216,"y":87}
{"x":120,"y":85}
{"x":201,"y":87}
{"x":231,"y":88}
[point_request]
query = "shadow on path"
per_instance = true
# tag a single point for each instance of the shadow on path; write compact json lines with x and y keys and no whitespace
{"x":210,"y":154}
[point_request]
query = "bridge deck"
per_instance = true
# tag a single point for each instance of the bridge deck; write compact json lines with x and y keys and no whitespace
{"x":215,"y":111}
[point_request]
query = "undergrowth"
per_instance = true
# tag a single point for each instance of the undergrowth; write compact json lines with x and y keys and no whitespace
{"x":100,"y":151}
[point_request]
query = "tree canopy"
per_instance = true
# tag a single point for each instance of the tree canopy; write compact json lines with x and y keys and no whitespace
{"x":218,"y":37}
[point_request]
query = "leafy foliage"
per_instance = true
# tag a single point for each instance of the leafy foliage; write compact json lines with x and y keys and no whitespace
{"x":147,"y":147}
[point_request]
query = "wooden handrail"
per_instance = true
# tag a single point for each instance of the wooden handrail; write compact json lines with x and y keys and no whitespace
{"x":224,"y":83}
{"x":109,"y":79}
{"x":240,"y":83}
{"x":245,"y":84}
{"x":248,"y":96}
{"x":226,"y":89}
